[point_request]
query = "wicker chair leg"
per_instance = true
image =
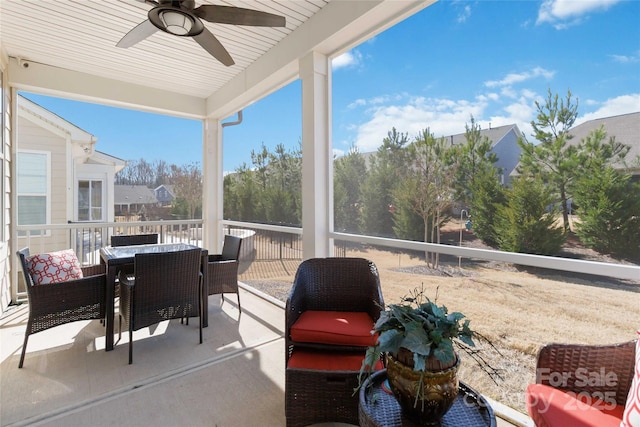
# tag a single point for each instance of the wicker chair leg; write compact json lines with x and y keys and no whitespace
{"x":24,"y":349}
{"x":238,"y":294}
{"x":130,"y":345}
{"x":201,"y":310}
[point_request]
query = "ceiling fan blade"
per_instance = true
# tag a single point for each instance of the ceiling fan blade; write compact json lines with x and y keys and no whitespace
{"x":137,"y":34}
{"x":212,"y":45}
{"x":238,"y":16}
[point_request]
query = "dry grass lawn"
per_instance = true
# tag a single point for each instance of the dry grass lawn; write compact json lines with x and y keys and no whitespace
{"x":518,"y":310}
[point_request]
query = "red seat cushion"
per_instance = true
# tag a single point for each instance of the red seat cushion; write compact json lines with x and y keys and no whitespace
{"x":327,"y":361}
{"x":334,"y":327}
{"x":550,"y":407}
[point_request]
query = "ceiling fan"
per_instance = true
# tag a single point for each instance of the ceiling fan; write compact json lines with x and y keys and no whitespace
{"x":182,"y":18}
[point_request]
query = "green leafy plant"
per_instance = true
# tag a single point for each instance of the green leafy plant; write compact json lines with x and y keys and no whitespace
{"x":425,"y":329}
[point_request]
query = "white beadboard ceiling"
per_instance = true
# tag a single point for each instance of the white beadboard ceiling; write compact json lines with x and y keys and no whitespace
{"x":81,"y":35}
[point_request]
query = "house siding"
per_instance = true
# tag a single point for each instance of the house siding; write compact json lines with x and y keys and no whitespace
{"x":5,"y":188}
{"x":38,"y":139}
{"x":508,"y":152}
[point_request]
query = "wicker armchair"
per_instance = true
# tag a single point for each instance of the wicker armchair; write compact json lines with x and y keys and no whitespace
{"x":56,"y":304}
{"x":134,"y":239}
{"x":581,"y":385}
{"x":333,"y":284}
{"x":322,"y":373}
{"x":222,"y":269}
{"x":164,"y":286}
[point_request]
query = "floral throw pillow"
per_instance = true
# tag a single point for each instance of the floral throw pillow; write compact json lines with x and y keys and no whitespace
{"x":54,"y":267}
{"x":631,"y":416}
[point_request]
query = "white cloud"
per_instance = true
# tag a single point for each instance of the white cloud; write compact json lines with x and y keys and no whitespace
{"x":513,"y":78}
{"x":626,"y":59}
{"x":508,"y":92}
{"x":442,"y":116}
{"x":464,"y":14}
{"x":347,"y":59}
{"x":505,"y":101}
{"x":357,"y":103}
{"x":565,"y":13}
{"x":614,"y":107}
{"x":338,"y":153}
{"x":446,"y":117}
{"x":377,"y":100}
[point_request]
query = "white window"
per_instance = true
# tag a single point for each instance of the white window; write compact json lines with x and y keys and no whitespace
{"x":90,"y":195}
{"x":33,"y":188}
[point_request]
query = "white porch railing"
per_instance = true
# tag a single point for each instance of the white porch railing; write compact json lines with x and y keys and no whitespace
{"x":272,"y":242}
{"x":619,"y":271}
{"x":292,"y":237}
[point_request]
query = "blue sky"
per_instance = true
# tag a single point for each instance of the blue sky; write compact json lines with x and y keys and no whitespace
{"x":489,"y":59}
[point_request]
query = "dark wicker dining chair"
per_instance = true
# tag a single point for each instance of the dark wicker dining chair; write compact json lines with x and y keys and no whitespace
{"x":164,"y":286}
{"x":56,"y":304}
{"x":222,"y":269}
{"x":134,"y":239}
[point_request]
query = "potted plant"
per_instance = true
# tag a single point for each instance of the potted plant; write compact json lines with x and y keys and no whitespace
{"x":418,"y":339}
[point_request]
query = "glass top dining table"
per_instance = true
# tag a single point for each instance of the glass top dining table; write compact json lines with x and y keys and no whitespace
{"x":117,"y":256}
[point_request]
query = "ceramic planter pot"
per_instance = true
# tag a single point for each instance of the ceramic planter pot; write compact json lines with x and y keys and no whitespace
{"x":425,"y":397}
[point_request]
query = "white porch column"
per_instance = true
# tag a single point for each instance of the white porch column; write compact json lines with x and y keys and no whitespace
{"x":212,"y":177}
{"x":317,"y":175}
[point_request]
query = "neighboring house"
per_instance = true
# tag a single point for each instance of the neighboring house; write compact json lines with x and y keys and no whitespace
{"x":164,"y":194}
{"x":133,"y":199}
{"x":61,"y":178}
{"x":504,"y":144}
{"x":625,"y":128}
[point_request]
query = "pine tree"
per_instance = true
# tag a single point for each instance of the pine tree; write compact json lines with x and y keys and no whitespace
{"x":350,"y":171}
{"x":488,"y":196}
{"x":426,"y":186}
{"x":384,"y":175}
{"x":477,"y":185}
{"x":554,"y":159}
{"x":475,"y":158}
{"x":608,"y":202}
{"x":525,"y":223}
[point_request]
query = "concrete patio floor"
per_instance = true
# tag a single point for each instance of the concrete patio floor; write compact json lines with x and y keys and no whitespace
{"x":235,"y":378}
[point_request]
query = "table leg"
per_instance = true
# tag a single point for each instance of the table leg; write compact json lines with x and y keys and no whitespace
{"x":205,"y":290}
{"x":111,"y":285}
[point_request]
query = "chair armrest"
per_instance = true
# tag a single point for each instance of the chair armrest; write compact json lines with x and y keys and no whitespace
{"x":221,"y":262}
{"x":215,"y":257}
{"x":94,"y":270}
{"x":594,"y":369}
{"x":295,"y":304}
{"x":68,"y":295}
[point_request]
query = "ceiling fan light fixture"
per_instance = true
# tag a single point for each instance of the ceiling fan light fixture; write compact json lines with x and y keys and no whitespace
{"x":176,"y":22}
{"x":182,"y":18}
